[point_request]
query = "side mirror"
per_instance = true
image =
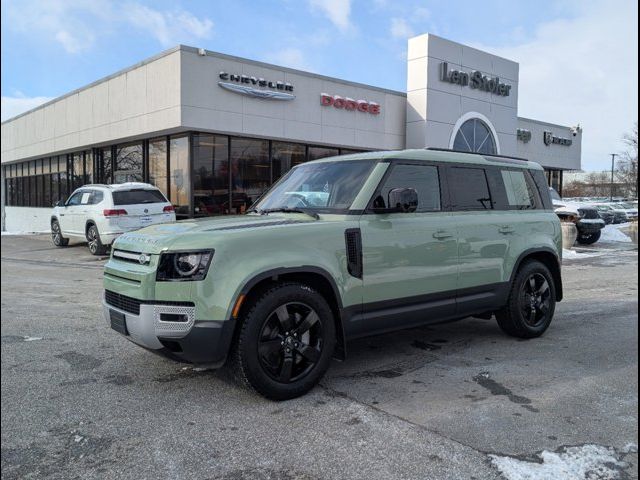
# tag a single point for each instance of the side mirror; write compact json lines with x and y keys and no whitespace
{"x":59,"y":203}
{"x":403,"y":200}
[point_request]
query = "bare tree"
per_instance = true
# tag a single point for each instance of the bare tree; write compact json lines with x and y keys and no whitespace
{"x":627,"y":168}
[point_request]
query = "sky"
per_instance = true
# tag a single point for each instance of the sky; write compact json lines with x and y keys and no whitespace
{"x":578,"y":59}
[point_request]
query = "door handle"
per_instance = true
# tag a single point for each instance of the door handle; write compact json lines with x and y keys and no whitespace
{"x":506,"y":229}
{"x":441,"y":235}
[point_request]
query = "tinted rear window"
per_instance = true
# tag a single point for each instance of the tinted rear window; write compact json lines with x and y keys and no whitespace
{"x":469,"y":189}
{"x":135,"y":197}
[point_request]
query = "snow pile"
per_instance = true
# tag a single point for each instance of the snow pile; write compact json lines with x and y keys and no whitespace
{"x":612,"y":233}
{"x":572,"y":463}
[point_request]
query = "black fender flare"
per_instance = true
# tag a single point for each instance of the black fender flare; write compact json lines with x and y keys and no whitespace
{"x":275,"y":273}
{"x":556,"y":271}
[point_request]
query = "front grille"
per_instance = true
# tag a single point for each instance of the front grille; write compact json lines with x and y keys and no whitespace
{"x":132,"y":257}
{"x":132,"y":305}
{"x":122,"y":302}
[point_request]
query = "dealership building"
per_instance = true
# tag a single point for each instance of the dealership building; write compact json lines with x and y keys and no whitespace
{"x":214,"y":131}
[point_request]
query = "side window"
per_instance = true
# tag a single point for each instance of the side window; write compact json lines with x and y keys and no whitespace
{"x":96,"y":197}
{"x":75,"y":199}
{"x":423,"y":178}
{"x":469,"y":189}
{"x":519,"y":190}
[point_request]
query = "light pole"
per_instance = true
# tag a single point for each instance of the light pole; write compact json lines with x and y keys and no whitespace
{"x":613,"y":159}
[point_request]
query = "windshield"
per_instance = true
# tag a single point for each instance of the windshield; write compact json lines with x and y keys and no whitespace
{"x":325,"y":187}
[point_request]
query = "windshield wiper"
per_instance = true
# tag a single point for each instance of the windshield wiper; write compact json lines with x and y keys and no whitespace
{"x":267,"y":211}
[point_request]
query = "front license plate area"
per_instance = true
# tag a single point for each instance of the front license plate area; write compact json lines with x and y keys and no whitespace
{"x":118,"y":322}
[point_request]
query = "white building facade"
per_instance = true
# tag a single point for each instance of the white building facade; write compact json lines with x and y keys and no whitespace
{"x":214,"y":131}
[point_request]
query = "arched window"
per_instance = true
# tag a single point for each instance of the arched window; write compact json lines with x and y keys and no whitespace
{"x":475,"y":136}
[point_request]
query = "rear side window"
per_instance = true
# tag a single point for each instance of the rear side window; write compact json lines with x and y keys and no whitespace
{"x":469,"y":189}
{"x":423,"y":178}
{"x":520,"y":192}
{"x":135,"y":197}
{"x":96,"y":197}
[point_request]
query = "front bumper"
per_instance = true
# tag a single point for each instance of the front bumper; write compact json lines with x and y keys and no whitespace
{"x":199,"y":342}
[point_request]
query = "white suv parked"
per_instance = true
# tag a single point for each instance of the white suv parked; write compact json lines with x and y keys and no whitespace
{"x":99,"y":213}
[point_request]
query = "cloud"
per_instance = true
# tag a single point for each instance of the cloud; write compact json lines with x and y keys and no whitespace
{"x":168,"y":27}
{"x":72,"y":43}
{"x":583,"y":70}
{"x":56,"y":19}
{"x":76,"y":24}
{"x":337,"y":11}
{"x":400,"y":28}
{"x":12,"y":106}
{"x":289,"y":57}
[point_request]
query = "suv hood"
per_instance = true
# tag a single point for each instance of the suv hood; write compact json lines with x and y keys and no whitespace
{"x":162,"y":236}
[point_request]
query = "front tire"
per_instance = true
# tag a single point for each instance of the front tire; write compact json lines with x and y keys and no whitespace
{"x":589,"y":238}
{"x":531,"y":303}
{"x":56,"y":235}
{"x":286,"y":341}
{"x":93,"y":241}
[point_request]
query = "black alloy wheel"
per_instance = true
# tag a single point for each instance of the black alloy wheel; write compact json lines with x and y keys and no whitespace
{"x":285,"y":341}
{"x":291,"y":342}
{"x":535,"y":300}
{"x":531,"y":303}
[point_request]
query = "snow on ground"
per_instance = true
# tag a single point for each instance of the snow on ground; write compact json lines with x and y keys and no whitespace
{"x":613,"y":233}
{"x":6,"y":234}
{"x":572,"y":254}
{"x":571,"y":463}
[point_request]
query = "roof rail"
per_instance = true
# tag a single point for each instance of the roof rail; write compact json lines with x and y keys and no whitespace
{"x":508,"y":157}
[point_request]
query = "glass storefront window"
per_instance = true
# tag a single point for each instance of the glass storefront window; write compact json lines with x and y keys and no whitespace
{"x":555,"y":179}
{"x":179,"y":188}
{"x":321,"y":152}
{"x":78,"y":171}
{"x":158,"y":164}
{"x":250,"y":172}
{"x":33,"y":197}
{"x":55,"y":188}
{"x":106,"y":166}
{"x":88,"y":168}
{"x":63,"y":185}
{"x":210,"y":175}
{"x":46,"y":191}
{"x":348,"y":151}
{"x":284,"y":156}
{"x":128,"y":163}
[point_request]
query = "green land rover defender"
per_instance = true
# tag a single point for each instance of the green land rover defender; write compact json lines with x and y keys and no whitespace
{"x":337,"y":249}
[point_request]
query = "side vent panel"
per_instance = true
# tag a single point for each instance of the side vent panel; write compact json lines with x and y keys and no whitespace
{"x":353,"y":242}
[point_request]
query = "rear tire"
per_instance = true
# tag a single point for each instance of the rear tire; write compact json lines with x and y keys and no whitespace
{"x":588,"y":238}
{"x":286,"y":341}
{"x":93,"y":241}
{"x":531,"y":303}
{"x":56,"y":235}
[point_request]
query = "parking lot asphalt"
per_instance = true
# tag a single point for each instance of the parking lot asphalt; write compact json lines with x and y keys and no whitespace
{"x":440,"y":402}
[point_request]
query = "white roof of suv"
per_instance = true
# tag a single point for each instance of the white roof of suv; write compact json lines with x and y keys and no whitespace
{"x":122,"y":186}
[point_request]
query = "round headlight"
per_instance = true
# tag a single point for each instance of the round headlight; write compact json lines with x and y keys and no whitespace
{"x":186,"y":264}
